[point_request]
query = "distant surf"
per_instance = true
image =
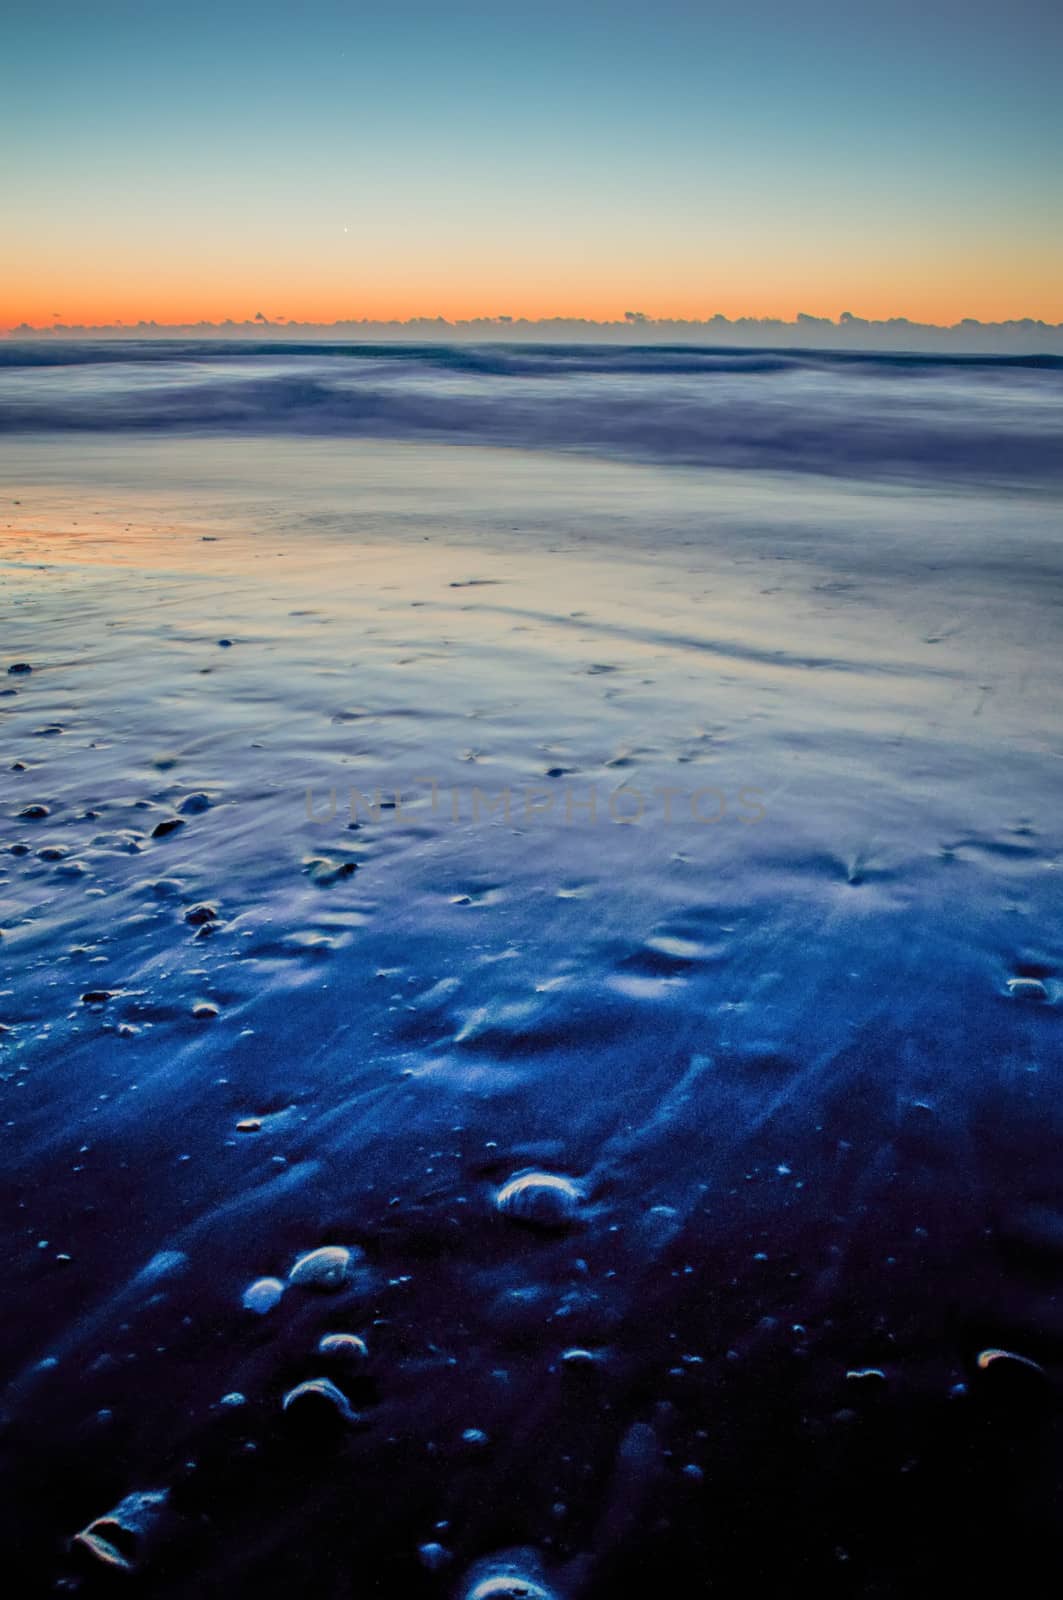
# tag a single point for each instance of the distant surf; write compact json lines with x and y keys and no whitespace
{"x":912,"y":418}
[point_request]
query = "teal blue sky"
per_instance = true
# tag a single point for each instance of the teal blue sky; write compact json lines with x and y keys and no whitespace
{"x":334,"y":159}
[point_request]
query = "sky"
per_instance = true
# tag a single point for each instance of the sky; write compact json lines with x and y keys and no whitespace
{"x":333,"y":159}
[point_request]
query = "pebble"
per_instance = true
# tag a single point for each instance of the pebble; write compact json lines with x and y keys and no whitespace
{"x":196,"y":916}
{"x":19,"y":667}
{"x":327,"y":1269}
{"x":193,"y":804}
{"x":167,"y":825}
{"x":345,"y":1347}
{"x":321,"y":870}
{"x":1004,"y":1366}
{"x":1027,"y":989}
{"x":249,"y":1125}
{"x":540,"y":1200}
{"x":262,"y":1295}
{"x":318,"y":1399}
{"x":233,"y":1399}
{"x":115,"y":1539}
{"x":166,"y":888}
{"x":433,"y":1557}
{"x":205,"y":1011}
{"x":96,"y":997}
{"x":578,"y":1359}
{"x":505,"y":1581}
{"x":868,"y":1380}
{"x":35,"y":812}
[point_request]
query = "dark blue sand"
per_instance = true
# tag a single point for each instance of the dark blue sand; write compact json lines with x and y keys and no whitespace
{"x":711,"y":893}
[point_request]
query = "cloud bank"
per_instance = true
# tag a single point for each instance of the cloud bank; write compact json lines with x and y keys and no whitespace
{"x":1021,"y":336}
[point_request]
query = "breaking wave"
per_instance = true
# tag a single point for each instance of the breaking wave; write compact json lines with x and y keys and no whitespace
{"x":979,"y":419}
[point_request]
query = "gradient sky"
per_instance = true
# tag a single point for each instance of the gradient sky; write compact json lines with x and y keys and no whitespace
{"x":333,"y":159}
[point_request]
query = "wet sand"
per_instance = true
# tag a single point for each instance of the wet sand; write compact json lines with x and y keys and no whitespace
{"x":383,"y":821}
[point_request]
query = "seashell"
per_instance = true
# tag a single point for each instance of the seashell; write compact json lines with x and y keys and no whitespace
{"x":507,"y":1578}
{"x":323,"y":870}
{"x":1027,"y":989}
{"x":540,"y":1200}
{"x":262,"y":1295}
{"x":578,"y":1359}
{"x":345,"y":1347}
{"x":1007,"y":1361}
{"x":433,"y":1556}
{"x":869,"y":1380}
{"x":508,"y":1586}
{"x":318,"y":1400}
{"x":116,"y":1539}
{"x":1011,"y":1381}
{"x":327,"y":1269}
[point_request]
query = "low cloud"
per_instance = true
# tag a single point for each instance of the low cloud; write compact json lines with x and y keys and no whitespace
{"x":1019,"y":336}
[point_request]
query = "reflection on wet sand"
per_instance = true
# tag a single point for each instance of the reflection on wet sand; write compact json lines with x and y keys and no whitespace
{"x":430,"y":1200}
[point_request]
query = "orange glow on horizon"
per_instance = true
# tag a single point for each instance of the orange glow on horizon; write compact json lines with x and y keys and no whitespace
{"x":329,"y":278}
{"x":43,"y":312}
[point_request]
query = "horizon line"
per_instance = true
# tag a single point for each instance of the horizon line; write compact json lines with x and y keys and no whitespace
{"x":1026,"y":336}
{"x":629,"y":321}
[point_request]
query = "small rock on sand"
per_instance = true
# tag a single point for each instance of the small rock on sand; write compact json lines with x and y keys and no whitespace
{"x":318,"y":1401}
{"x":347,"y":1348}
{"x":197,"y":915}
{"x":167,"y":825}
{"x":262,"y":1295}
{"x":193,"y":804}
{"x":326,"y":1269}
{"x":540,"y":1200}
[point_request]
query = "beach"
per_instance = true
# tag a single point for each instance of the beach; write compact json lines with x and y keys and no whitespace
{"x":393,"y":809}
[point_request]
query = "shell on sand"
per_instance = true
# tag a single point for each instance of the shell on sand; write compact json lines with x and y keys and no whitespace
{"x":508,"y":1586}
{"x":1027,"y":989}
{"x":1007,"y":1361}
{"x":540,"y":1199}
{"x":115,"y":1539}
{"x":319,"y":1397}
{"x":262,"y":1295}
{"x":326,"y":1269}
{"x":502,"y":1578}
{"x":346,"y":1347}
